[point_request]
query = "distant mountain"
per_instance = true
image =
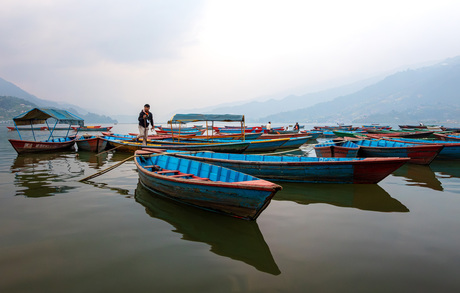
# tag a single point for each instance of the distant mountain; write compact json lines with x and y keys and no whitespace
{"x":11,"y":107}
{"x":11,"y":90}
{"x":254,"y":110}
{"x":427,"y":94}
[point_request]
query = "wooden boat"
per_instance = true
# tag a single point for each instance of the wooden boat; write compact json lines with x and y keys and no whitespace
{"x":255,"y":129}
{"x":349,"y":133}
{"x":205,"y":186}
{"x":418,"y":154}
{"x":129,"y":146}
{"x":396,"y":133}
{"x":345,"y":149}
{"x":230,"y":136}
{"x":448,"y":137}
{"x":91,"y":143}
{"x":451,"y":148}
{"x":160,"y":136}
{"x":92,"y":128}
{"x":290,"y":135}
{"x":303,"y":169}
{"x":41,"y":116}
{"x":295,"y":142}
{"x":54,"y":144}
{"x":255,"y":145}
{"x":376,"y":126}
{"x":133,"y":136}
{"x":12,"y":128}
{"x":182,"y":132}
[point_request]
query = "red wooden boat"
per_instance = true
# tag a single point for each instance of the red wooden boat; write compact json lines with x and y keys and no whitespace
{"x":92,"y":128}
{"x":29,"y":146}
{"x":159,"y":137}
{"x":12,"y":128}
{"x":40,"y":116}
{"x":418,"y":154}
{"x":345,"y":149}
{"x":282,"y":135}
{"x":91,"y":144}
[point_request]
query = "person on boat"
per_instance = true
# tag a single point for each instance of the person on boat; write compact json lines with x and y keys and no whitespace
{"x":297,"y":126}
{"x":269,"y":126}
{"x":145,"y":116}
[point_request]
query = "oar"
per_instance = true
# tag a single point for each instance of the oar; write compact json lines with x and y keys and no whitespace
{"x":106,"y":170}
{"x":129,"y":158}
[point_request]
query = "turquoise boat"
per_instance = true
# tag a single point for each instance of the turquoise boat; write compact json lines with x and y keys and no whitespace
{"x":300,"y":168}
{"x":205,"y":186}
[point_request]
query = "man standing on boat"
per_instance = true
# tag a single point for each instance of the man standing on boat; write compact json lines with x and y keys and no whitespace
{"x":144,"y":117}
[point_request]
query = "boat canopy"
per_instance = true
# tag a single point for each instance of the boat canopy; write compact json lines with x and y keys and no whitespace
{"x":40,"y":115}
{"x":207,"y":117}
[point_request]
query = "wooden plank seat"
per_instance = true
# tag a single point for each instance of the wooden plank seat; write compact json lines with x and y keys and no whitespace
{"x":182,"y":175}
{"x":167,"y":171}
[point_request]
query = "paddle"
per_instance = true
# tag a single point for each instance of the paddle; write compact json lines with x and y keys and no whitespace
{"x":129,"y":158}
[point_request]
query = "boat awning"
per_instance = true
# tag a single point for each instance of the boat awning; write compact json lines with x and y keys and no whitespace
{"x":207,"y":117}
{"x":40,"y":115}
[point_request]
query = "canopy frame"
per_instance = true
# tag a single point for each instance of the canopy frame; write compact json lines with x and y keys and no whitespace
{"x":184,"y":118}
{"x":41,"y":116}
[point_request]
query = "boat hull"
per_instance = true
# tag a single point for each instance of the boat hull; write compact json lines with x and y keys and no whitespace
{"x":422,"y":155}
{"x":245,"y":200}
{"x":94,"y":144}
{"x":359,"y":171}
{"x":27,"y":146}
{"x":133,"y":146}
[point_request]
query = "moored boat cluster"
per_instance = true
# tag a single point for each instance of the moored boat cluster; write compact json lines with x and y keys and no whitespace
{"x":229,"y":170}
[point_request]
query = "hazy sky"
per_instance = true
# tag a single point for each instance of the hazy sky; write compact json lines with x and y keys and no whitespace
{"x":118,"y":55}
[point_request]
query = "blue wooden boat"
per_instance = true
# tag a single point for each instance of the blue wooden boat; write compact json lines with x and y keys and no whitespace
{"x":303,"y":169}
{"x":131,"y":146}
{"x":205,"y":186}
{"x":91,"y":143}
{"x":255,"y":145}
{"x":418,"y":154}
{"x":448,"y":137}
{"x":295,"y":142}
{"x":451,"y":148}
{"x":332,"y":149}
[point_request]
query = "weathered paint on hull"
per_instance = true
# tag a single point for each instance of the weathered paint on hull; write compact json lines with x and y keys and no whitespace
{"x":336,"y":152}
{"x":451,"y":149}
{"x":422,"y":155}
{"x":359,"y":171}
{"x":220,"y":198}
{"x":295,"y":143}
{"x":26,"y":146}
{"x":94,"y":144}
{"x":227,"y":148}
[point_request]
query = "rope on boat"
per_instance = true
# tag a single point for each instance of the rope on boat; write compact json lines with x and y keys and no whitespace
{"x":105,"y":170}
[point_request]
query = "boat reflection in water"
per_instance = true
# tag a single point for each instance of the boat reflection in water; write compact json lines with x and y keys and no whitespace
{"x":418,"y":175}
{"x":446,"y":168}
{"x":45,"y":174}
{"x":93,"y":161}
{"x":227,"y":236}
{"x":369,"y":197}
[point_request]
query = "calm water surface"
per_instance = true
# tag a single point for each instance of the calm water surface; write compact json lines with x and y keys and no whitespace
{"x":111,"y":235}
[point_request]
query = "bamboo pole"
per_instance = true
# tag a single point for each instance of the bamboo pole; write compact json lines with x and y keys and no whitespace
{"x":106,"y":170}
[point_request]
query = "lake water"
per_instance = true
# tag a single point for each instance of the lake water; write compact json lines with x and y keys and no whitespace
{"x":111,"y":235}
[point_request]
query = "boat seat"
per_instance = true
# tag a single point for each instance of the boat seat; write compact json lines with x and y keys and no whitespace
{"x":200,"y":178}
{"x":154,"y":167}
{"x":182,"y":175}
{"x":168,"y":171}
